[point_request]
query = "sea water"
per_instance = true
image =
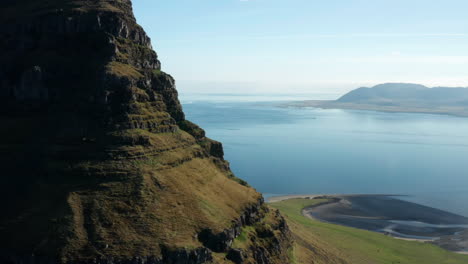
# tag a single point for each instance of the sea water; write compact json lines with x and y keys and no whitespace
{"x":288,"y":150}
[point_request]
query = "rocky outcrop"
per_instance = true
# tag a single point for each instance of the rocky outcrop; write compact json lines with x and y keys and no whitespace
{"x":237,"y":256}
{"x":267,"y":244}
{"x":31,"y":86}
{"x":99,"y":164}
{"x":263,"y":242}
{"x":178,"y":256}
{"x":222,"y":241}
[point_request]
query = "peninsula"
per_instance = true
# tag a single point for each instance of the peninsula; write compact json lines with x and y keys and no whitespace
{"x":399,"y":97}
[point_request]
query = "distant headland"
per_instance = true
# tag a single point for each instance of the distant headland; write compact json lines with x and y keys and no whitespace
{"x":399,"y":97}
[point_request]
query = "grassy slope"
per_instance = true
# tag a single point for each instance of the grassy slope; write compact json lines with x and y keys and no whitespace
{"x":318,"y":242}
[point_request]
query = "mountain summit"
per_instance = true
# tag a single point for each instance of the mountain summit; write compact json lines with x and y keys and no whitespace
{"x":99,"y":164}
{"x":407,"y":93}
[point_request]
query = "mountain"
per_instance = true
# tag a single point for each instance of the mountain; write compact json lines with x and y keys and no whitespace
{"x":399,"y":97}
{"x":407,"y":94}
{"x":99,"y":164}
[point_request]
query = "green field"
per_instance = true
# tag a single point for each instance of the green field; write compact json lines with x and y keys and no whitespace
{"x":318,"y":242}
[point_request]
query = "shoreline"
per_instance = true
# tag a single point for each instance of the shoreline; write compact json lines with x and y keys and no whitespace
{"x":388,"y":216}
{"x":330,"y":104}
{"x":305,"y":214}
{"x":274,"y":199}
{"x":279,"y":198}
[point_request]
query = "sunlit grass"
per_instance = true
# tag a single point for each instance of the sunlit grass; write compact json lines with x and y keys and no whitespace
{"x":318,"y":242}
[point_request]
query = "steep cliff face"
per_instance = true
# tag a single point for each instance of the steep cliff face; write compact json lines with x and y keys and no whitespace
{"x":99,"y":164}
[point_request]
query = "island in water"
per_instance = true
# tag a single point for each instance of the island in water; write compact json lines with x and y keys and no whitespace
{"x":399,"y":97}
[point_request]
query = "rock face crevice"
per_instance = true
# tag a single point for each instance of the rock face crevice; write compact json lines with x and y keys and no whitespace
{"x":222,"y":241}
{"x":99,"y":164}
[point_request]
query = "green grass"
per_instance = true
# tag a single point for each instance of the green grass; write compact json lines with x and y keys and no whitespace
{"x":292,"y":255}
{"x":121,"y":69}
{"x":318,"y":242}
{"x":242,"y":241}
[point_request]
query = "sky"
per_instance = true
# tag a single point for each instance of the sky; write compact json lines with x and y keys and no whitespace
{"x":307,"y":46}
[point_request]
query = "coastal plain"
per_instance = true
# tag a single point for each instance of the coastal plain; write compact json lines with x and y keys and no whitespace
{"x":320,"y":241}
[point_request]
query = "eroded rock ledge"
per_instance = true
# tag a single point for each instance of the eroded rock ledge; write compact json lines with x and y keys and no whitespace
{"x":99,"y":164}
{"x":278,"y":237}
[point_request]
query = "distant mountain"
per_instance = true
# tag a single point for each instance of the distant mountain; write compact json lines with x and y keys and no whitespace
{"x":407,"y":94}
{"x":399,"y":97}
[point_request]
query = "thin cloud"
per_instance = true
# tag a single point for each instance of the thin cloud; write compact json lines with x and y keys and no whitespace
{"x":320,"y":36}
{"x":407,"y":59}
{"x":367,"y":35}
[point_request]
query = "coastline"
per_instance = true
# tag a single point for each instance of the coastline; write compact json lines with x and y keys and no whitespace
{"x":279,"y":198}
{"x":390,"y":216}
{"x":330,"y":104}
{"x":274,"y":199}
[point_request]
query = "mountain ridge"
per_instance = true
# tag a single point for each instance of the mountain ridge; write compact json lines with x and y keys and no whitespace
{"x":399,"y":98}
{"x":99,"y":163}
{"x":406,"y":91}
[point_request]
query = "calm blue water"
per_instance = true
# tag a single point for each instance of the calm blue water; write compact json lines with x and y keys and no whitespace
{"x":302,"y":151}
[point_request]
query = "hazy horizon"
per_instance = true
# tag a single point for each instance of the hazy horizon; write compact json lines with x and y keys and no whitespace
{"x":307,"y":46}
{"x":238,"y":88}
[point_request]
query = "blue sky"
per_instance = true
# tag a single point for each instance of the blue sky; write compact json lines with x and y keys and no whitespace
{"x":283,"y":46}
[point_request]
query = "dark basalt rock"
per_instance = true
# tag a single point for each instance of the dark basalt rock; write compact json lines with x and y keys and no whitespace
{"x":215,"y":148}
{"x":183,"y":256}
{"x":31,"y":86}
{"x":192,"y":129}
{"x":221,"y":242}
{"x":95,"y":148}
{"x":178,"y":256}
{"x":237,"y":256}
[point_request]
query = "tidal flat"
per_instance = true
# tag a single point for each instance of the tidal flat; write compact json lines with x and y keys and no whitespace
{"x":394,"y":217}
